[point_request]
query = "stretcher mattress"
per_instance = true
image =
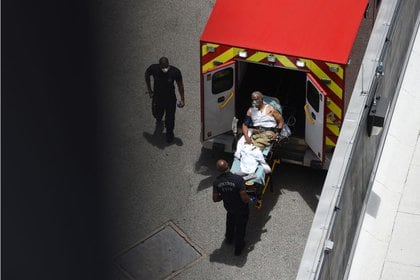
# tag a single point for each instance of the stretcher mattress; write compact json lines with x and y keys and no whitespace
{"x":259,"y":174}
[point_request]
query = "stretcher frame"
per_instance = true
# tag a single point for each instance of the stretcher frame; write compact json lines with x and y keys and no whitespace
{"x":272,"y":158}
{"x":258,"y":190}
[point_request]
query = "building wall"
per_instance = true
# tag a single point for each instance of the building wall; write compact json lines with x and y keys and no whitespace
{"x":335,"y":224}
{"x":357,"y":179}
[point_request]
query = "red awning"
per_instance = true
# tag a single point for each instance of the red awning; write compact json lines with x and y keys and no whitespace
{"x":316,"y":29}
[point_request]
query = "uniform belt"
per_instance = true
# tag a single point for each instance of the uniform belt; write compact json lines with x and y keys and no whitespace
{"x":262,"y":128}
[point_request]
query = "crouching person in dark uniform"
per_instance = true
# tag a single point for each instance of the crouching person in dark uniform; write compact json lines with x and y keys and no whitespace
{"x":231,"y":189}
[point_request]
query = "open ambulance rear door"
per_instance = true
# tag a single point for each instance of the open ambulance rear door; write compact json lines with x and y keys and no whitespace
{"x":315,"y":117}
{"x":218,"y":105}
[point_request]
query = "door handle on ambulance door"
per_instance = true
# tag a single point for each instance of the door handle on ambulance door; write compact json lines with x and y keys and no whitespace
{"x":309,"y":117}
{"x":225,"y":101}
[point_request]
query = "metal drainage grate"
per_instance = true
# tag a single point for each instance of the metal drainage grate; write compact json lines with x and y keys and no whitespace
{"x":163,"y":254}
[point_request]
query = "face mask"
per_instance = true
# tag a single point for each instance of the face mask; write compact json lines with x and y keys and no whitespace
{"x":164,"y":70}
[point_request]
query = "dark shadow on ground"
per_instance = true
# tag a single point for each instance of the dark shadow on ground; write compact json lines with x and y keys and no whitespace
{"x":158,"y":138}
{"x":308,"y":186}
{"x":206,"y":165}
{"x":225,"y":255}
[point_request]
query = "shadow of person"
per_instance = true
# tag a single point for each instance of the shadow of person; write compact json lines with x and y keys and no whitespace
{"x":225,"y":255}
{"x":206,"y":165}
{"x":255,"y":228}
{"x":177,"y":141}
{"x":158,"y":138}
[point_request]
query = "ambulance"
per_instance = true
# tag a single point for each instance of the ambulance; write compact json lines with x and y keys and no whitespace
{"x":305,"y":53}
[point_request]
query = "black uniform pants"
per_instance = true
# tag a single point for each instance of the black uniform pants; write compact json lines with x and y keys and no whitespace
{"x":236,"y":227}
{"x":165,"y":107}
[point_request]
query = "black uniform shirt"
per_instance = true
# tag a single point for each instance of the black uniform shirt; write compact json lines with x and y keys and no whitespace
{"x":163,"y":83}
{"x":229,"y":185}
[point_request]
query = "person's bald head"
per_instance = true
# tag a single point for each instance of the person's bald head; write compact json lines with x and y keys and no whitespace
{"x":164,"y":62}
{"x":222,"y":165}
{"x":257,"y":99}
{"x":257,"y":94}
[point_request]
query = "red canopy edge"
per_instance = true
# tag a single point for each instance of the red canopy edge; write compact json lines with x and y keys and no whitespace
{"x":318,"y":29}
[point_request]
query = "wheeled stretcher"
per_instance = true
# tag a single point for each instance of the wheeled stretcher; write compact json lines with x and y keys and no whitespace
{"x":258,"y":182}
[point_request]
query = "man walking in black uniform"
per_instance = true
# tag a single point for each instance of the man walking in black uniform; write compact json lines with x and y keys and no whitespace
{"x":231,"y":189}
{"x":163,"y":93}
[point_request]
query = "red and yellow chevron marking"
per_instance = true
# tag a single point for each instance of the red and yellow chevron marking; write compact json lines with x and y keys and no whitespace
{"x":221,"y":55}
{"x":334,"y":90}
{"x":319,"y":69}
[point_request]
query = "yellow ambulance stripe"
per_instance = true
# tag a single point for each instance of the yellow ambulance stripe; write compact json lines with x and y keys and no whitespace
{"x":334,"y":108}
{"x":223,"y":105}
{"x":329,"y":142}
{"x":333,"y":128}
{"x":204,"y":50}
{"x":285,"y":61}
{"x":224,"y":57}
{"x":257,"y":57}
{"x":321,"y":74}
{"x":340,"y":72}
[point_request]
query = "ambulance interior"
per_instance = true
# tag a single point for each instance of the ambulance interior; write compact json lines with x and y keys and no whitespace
{"x":287,"y":85}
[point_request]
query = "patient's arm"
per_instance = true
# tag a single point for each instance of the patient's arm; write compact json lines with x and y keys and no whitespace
{"x":245,"y":133}
{"x":279,"y":118}
{"x":245,"y":129}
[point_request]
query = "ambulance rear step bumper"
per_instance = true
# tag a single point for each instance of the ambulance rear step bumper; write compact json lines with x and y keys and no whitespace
{"x":308,"y":159}
{"x":296,"y":151}
{"x":222,"y":143}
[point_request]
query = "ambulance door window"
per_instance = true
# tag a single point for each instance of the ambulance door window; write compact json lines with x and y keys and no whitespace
{"x":313,"y":97}
{"x":222,"y":80}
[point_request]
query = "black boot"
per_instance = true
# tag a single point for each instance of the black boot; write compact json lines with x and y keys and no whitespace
{"x":169,"y":136}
